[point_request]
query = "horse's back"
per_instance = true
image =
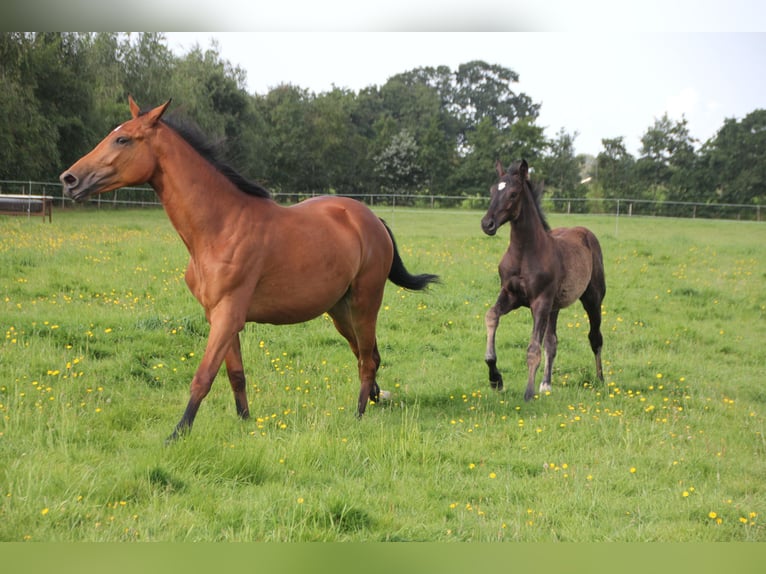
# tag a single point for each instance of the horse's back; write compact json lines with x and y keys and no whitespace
{"x":311,"y":254}
{"x":337,"y":213}
{"x":581,"y":260}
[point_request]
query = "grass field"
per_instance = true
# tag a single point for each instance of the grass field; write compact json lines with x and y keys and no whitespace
{"x":100,"y":338}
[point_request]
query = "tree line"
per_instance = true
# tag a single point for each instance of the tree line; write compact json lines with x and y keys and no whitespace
{"x":424,"y":132}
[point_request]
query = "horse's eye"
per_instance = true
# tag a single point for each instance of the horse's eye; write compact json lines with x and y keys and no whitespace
{"x":122,"y":140}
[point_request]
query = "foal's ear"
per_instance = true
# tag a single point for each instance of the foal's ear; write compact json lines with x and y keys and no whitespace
{"x":524,"y":170}
{"x":499,"y":169}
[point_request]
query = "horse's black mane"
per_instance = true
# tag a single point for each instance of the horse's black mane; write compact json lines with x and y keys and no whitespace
{"x":190,"y":132}
{"x":536,"y":190}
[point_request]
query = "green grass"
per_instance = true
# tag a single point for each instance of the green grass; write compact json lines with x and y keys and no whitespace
{"x":100,"y":338}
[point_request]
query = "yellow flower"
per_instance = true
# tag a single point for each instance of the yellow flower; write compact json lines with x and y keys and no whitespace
{"x":44,"y":511}
{"x":492,"y":475}
{"x":712,"y":515}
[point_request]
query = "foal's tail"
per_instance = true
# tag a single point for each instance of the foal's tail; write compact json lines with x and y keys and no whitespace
{"x":401,"y":277}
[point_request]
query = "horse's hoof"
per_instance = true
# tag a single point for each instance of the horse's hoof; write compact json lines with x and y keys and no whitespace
{"x":497,"y":384}
{"x":179,"y":432}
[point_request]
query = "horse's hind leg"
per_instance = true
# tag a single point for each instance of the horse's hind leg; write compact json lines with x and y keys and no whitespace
{"x":236,"y":373}
{"x":551,"y":344}
{"x":361,"y":339}
{"x":502,"y":306}
{"x":540,"y":316}
{"x":591,"y":301}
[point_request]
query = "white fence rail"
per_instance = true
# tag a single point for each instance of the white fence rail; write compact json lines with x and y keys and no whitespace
{"x":133,"y":197}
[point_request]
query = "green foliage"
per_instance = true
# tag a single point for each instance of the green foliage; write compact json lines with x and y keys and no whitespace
{"x":614,"y":170}
{"x":734,"y":162}
{"x":426,"y":131}
{"x":27,"y":138}
{"x":100,"y":339}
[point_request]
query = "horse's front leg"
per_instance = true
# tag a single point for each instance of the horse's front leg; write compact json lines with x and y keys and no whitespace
{"x":540,"y":314}
{"x":223,"y":328}
{"x":504,"y":304}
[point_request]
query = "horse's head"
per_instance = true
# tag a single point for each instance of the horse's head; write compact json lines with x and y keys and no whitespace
{"x":505,"y":196}
{"x":121,"y":159}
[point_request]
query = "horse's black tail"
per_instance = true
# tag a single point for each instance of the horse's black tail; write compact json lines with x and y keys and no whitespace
{"x":403,"y":278}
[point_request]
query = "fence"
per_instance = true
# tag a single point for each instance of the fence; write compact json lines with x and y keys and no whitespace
{"x":145,"y":197}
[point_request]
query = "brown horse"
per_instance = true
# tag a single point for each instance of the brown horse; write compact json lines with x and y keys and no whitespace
{"x":543,"y":269}
{"x":250,"y":258}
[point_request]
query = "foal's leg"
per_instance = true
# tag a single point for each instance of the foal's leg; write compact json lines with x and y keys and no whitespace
{"x":223,"y":328}
{"x":540,"y":314}
{"x":591,"y":300}
{"x":236,"y":373}
{"x":551,"y":343}
{"x":505,"y":304}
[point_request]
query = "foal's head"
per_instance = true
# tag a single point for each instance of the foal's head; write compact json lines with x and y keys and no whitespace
{"x":506,"y":196}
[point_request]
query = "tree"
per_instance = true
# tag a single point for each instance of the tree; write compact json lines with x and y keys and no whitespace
{"x":60,"y":77}
{"x":614,"y":166}
{"x":412,"y":101}
{"x":105,"y":60}
{"x":14,"y":48}
{"x":397,"y":165}
{"x":290,"y":168}
{"x":524,"y":140}
{"x":337,"y":146}
{"x":28,"y":149}
{"x":667,"y":155}
{"x":732,"y":166}
{"x":148,"y":64}
{"x":483,"y":90}
{"x":475,"y":172}
{"x":561,"y":169}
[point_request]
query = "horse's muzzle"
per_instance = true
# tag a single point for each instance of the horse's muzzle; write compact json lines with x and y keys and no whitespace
{"x":489,"y":226}
{"x":72,"y":187}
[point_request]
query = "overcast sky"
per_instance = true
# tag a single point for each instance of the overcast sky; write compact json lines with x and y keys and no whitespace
{"x":597,"y":84}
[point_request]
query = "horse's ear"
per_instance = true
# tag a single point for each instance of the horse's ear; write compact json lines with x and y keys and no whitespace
{"x":524,"y":170}
{"x":153,"y":116}
{"x":499,"y":169}
{"x":134,"y":109}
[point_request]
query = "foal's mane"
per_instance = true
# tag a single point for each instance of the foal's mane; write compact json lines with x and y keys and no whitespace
{"x":212,"y":152}
{"x":536,"y":191}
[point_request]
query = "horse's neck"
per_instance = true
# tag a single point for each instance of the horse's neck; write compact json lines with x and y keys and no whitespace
{"x":528,"y":232}
{"x":199,"y":200}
